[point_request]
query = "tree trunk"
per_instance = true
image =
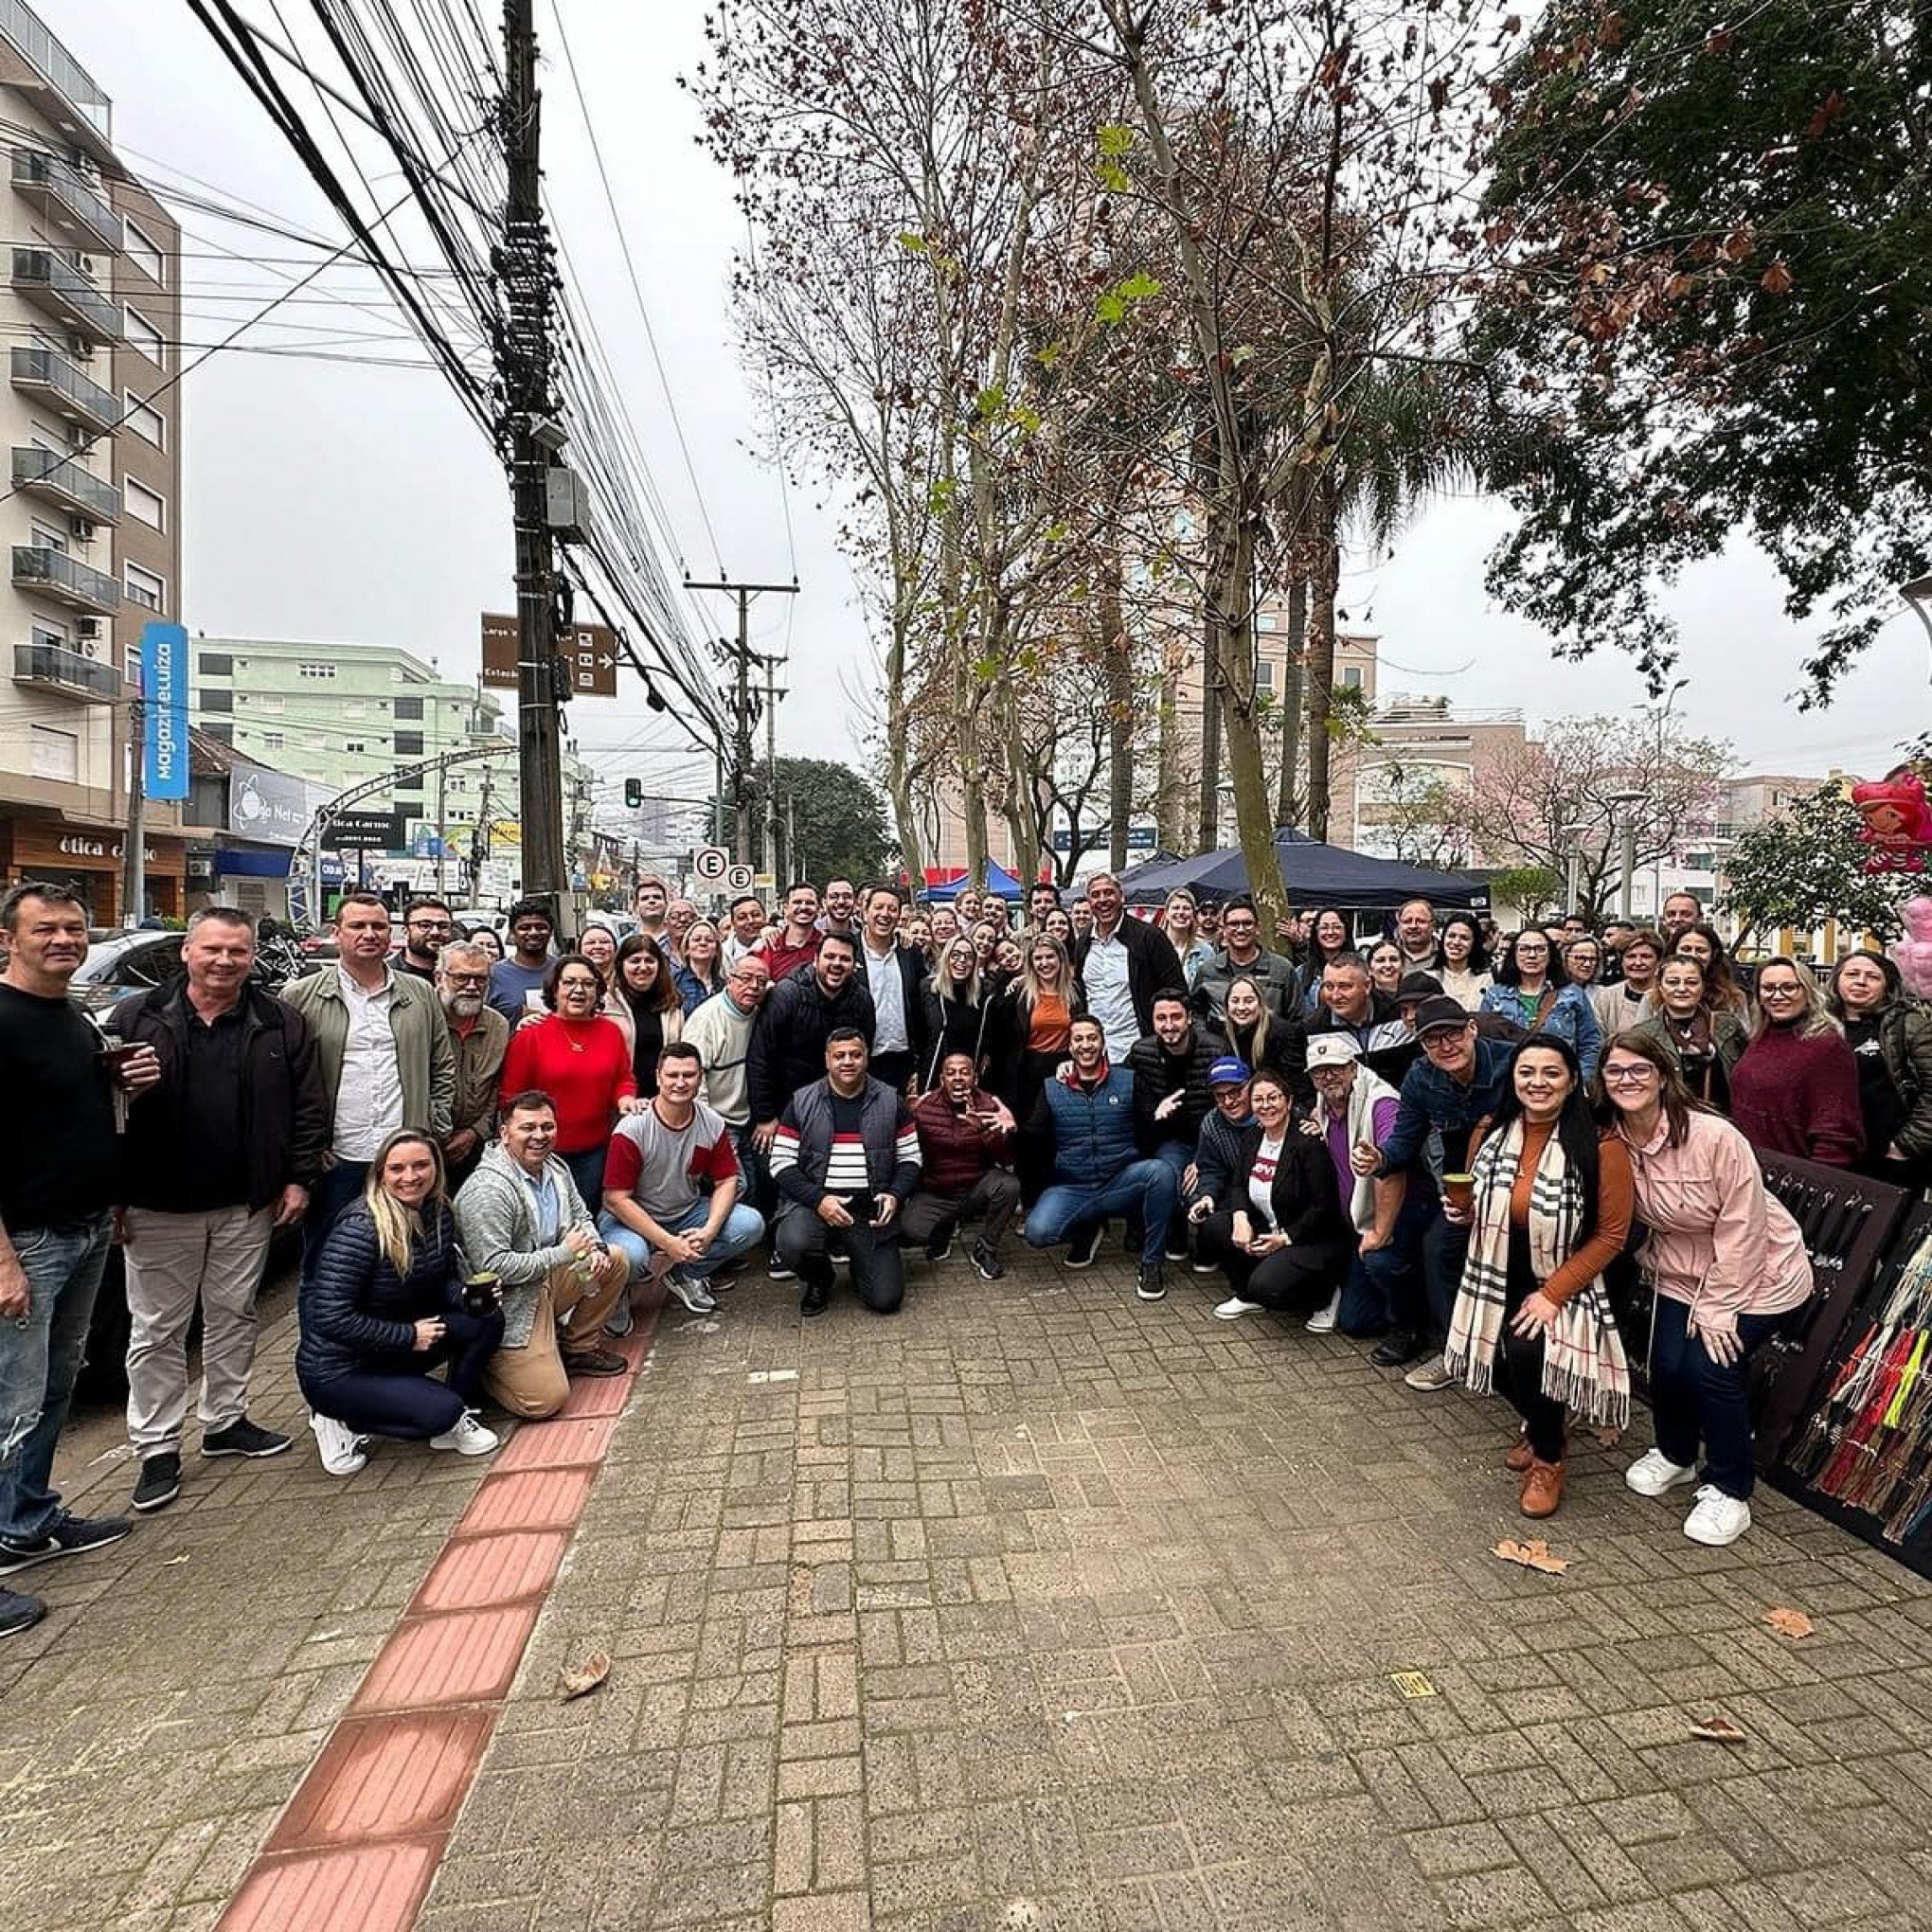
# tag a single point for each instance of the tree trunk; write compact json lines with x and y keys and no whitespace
{"x":1208,"y":830}
{"x":1288,"y":800}
{"x":1117,"y":650}
{"x":1321,"y":651}
{"x":897,"y":768}
{"x":1170,"y":805}
{"x":1232,"y":590}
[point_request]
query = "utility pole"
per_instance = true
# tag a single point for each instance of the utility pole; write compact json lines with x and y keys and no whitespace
{"x":134,"y":835}
{"x":524,"y":364}
{"x":740,"y":699}
{"x":773,"y":692}
{"x":479,"y":842}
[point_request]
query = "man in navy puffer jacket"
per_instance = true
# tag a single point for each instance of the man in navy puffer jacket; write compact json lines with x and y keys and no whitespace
{"x":1088,"y":1118}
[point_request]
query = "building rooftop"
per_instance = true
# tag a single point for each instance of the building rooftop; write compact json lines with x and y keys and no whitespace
{"x":33,"y":39}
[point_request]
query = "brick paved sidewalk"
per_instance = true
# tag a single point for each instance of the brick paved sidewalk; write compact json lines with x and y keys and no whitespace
{"x":1032,"y":1606}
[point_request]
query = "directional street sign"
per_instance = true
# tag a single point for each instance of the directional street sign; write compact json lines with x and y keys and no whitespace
{"x":738,"y":878}
{"x":590,"y":651}
{"x":710,"y":863}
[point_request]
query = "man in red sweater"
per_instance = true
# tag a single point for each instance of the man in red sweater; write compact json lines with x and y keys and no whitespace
{"x":796,"y":942}
{"x":965,"y":1141}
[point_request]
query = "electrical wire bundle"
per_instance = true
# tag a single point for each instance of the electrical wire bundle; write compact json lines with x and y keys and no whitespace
{"x":1868,"y":1445}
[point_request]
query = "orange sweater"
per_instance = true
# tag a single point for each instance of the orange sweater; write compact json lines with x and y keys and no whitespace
{"x":1616,"y":1197}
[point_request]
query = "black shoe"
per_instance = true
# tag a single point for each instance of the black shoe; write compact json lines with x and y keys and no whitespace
{"x":816,"y":1300}
{"x":1152,"y":1284}
{"x":595,"y":1362}
{"x":18,"y":1613}
{"x":1398,"y":1349}
{"x":70,"y":1536}
{"x":1082,"y":1248}
{"x":989,"y":1265}
{"x":242,"y":1438}
{"x":159,"y":1482}
{"x":941,"y":1247}
{"x":1177,"y":1249}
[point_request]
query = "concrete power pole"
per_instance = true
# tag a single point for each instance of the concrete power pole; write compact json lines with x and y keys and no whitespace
{"x":773,"y":692}
{"x":525,"y":360}
{"x":740,"y":701}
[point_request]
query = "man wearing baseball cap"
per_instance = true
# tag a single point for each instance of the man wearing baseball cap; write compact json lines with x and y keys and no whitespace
{"x":1456,"y":1085}
{"x":1218,"y":1146}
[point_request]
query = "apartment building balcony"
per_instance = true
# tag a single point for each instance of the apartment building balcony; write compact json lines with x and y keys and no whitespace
{"x":55,"y":479}
{"x":51,"y":667}
{"x":57,"y":382}
{"x":66,"y":198}
{"x":52,"y":283}
{"x":65,"y":580}
{"x":68,"y":93}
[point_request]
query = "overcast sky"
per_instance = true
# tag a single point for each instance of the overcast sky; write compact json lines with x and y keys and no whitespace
{"x":334,"y":501}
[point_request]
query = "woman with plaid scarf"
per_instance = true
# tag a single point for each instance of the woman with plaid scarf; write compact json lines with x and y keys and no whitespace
{"x":1550,"y":1209}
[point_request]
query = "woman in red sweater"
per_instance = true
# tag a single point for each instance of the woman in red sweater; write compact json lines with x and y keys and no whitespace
{"x":582,"y":1061}
{"x":1794,"y":1090}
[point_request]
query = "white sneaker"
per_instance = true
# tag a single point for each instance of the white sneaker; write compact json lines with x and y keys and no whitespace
{"x":1430,"y":1376}
{"x":693,"y":1294}
{"x":1322,"y":1322}
{"x":1234,"y":1308}
{"x":1716,"y":1518}
{"x":1653,"y":1473}
{"x":467,"y":1438}
{"x":339,"y":1446}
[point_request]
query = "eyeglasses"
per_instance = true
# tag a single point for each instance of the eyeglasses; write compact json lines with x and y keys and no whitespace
{"x":1779,"y":991}
{"x":467,"y":978}
{"x":1641,"y":1074}
{"x":577,"y":984}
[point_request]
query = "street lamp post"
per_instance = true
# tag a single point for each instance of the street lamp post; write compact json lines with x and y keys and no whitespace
{"x":1918,"y":594}
{"x":1663,"y":724}
{"x":1626,"y":803}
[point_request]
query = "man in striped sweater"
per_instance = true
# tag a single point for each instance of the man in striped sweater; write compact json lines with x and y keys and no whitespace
{"x":844,"y":1160}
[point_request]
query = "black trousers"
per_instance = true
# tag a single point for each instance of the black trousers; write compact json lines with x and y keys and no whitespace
{"x":1519,"y":1363}
{"x":804,"y":1244}
{"x":990,"y":1202}
{"x":1290,"y":1281}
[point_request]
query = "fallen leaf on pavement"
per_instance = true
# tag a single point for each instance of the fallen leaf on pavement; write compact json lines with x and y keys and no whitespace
{"x":1790,"y":1622}
{"x":168,"y":1563}
{"x":1717,"y":1730}
{"x":586,"y":1676}
{"x":1532,"y":1555}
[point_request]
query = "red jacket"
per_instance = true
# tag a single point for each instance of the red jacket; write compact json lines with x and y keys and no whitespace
{"x":585,"y":1065}
{"x":953,"y":1152}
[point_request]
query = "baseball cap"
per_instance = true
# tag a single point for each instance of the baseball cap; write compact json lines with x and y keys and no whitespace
{"x":1440,"y":1010}
{"x":1418,"y":986}
{"x":1227,"y":1071}
{"x":1332,"y":1049}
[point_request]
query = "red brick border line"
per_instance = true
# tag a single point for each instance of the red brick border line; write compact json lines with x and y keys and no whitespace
{"x":359,"y":1843}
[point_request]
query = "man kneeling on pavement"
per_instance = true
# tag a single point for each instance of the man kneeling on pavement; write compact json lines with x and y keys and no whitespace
{"x":520,"y":1217}
{"x":671,"y":1181}
{"x":965,"y":1144}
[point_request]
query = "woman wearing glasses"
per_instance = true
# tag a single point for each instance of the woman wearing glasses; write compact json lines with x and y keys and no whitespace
{"x":1795,"y":1089}
{"x":1706,"y":1041}
{"x":1533,"y":994}
{"x":1729,"y":1266}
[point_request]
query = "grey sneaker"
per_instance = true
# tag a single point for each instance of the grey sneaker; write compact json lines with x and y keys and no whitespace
{"x":690,"y":1291}
{"x":1433,"y":1375}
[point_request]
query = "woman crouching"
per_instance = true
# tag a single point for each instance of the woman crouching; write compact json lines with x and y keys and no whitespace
{"x":384,"y":1306}
{"x":1550,"y":1210}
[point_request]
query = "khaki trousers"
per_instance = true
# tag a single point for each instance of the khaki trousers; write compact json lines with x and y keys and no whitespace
{"x":533,"y":1381}
{"x":174,"y":1260}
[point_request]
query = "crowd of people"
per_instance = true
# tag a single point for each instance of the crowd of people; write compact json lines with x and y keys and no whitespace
{"x":1436,"y":1136}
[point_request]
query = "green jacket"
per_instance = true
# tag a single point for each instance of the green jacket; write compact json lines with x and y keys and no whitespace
{"x":1904,"y":1040}
{"x":424,"y":1058}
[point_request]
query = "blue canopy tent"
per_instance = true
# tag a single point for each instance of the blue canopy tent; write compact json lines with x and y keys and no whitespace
{"x":1315,"y":874}
{"x":998,"y":880}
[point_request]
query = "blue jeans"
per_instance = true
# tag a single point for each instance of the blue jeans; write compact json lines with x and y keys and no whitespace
{"x":40,"y":1357}
{"x":1383,"y":1289}
{"x":1147,"y":1188}
{"x":1179,"y":1156}
{"x":743,"y":1230}
{"x":586,"y":1170}
{"x":334,"y":1191}
{"x":754,"y":1174}
{"x":1694,"y":1398}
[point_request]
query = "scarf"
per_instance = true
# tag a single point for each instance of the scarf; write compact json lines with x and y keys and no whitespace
{"x":1584,"y":1364}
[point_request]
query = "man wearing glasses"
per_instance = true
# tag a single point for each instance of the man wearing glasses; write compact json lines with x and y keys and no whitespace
{"x":480,"y":1038}
{"x":427,"y":928}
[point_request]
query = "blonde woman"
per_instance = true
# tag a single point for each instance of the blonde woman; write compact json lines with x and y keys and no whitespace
{"x":1795,"y":1089}
{"x":384,"y":1305}
{"x":1038,"y":1013}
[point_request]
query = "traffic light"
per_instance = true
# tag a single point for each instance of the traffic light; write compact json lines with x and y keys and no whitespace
{"x":633,"y":792}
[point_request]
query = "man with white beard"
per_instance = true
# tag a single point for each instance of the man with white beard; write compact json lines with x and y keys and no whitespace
{"x":479,"y":1036}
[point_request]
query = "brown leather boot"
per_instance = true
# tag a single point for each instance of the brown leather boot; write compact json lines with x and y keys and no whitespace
{"x":1519,"y":1457}
{"x":1542,"y":1489}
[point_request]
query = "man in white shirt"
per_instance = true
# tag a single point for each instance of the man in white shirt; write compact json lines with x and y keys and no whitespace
{"x":893,"y":971}
{"x":1122,"y":963}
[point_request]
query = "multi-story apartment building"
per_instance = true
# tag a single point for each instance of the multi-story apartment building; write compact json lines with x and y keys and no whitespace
{"x":345,"y":714}
{"x":90,"y":515}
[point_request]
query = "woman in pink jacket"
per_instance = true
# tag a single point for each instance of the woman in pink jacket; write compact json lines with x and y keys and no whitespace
{"x":1729,"y":1265}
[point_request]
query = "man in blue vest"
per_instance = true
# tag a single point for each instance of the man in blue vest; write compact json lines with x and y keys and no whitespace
{"x":1087,"y":1119}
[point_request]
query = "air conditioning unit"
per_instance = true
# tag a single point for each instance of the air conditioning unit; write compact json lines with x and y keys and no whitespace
{"x":86,"y":263}
{"x":83,"y":528}
{"x":89,"y":627}
{"x":80,"y":348}
{"x":79,"y":435}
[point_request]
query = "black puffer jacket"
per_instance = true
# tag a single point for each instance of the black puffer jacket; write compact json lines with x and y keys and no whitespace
{"x":1157,"y":1074}
{"x":356,"y":1313}
{"x":788,"y":1038}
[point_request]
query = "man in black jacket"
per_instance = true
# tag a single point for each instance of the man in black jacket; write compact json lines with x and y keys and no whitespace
{"x":1123,"y":962}
{"x":895,"y":976}
{"x":787,"y":1049}
{"x":1173,"y":1095}
{"x":218,"y":1155}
